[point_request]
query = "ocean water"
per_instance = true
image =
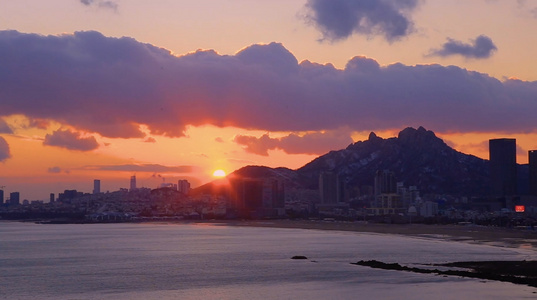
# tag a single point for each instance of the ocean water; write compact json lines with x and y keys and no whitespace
{"x":201,"y":261}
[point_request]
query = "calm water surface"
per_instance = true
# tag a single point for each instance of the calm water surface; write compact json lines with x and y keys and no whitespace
{"x":181,"y":261}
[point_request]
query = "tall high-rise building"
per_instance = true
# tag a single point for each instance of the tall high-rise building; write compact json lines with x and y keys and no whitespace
{"x":51,"y":200}
{"x":183,"y":186}
{"x":385,"y":182}
{"x":503,"y":167}
{"x":328,"y":183}
{"x":133,"y":183}
{"x":532,"y":156}
{"x":96,"y":186}
{"x":14,"y":198}
{"x":1,"y":197}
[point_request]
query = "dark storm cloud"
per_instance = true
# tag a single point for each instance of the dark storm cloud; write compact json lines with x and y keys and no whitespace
{"x":112,"y":86}
{"x":4,"y":150}
{"x":311,"y":143}
{"x":71,"y":140}
{"x":481,"y":47}
{"x":152,"y":168}
{"x":339,"y":19}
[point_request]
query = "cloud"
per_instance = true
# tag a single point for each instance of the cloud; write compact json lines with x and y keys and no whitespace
{"x":116,"y":86}
{"x":71,"y":140}
{"x":54,"y":170}
{"x":481,"y":47}
{"x":4,"y":127}
{"x":339,"y":19}
{"x":153,"y":168}
{"x":150,"y":140}
{"x":100,"y":3}
{"x":310,"y":143}
{"x":4,"y":150}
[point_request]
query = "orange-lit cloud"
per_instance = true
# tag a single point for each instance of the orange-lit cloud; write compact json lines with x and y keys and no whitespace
{"x":153,"y":168}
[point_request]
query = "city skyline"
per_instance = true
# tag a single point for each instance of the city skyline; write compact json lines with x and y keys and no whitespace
{"x":114,"y":89}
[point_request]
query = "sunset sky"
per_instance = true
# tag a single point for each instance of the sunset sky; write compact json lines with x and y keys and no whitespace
{"x":168,"y":90}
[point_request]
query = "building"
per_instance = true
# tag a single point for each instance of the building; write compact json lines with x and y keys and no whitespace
{"x":387,"y":201}
{"x":1,"y":197}
{"x":96,"y":186}
{"x":246,"y":196}
{"x":14,"y":198}
{"x":133,"y":183}
{"x":532,"y":156}
{"x":385,"y":182}
{"x":183,"y":186}
{"x":328,"y":190}
{"x":51,"y":199}
{"x":503,"y":167}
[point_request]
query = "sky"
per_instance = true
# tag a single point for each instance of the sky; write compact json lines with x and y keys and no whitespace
{"x":168,"y":90}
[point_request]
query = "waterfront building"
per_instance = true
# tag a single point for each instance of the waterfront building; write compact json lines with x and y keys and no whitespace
{"x":328,"y":190}
{"x":133,"y":183}
{"x":1,"y":197}
{"x":385,"y":182}
{"x":503,"y":167}
{"x":246,"y":196}
{"x":532,"y":156}
{"x":96,"y":186}
{"x":183,"y":186}
{"x":14,"y":198}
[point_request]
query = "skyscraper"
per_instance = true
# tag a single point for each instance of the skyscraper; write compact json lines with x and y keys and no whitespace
{"x":503,"y":167}
{"x":385,"y":182}
{"x":1,"y":197}
{"x":328,"y":190}
{"x":96,"y":186}
{"x":14,"y":198}
{"x":532,"y":156}
{"x":133,"y":183}
{"x":183,"y":186}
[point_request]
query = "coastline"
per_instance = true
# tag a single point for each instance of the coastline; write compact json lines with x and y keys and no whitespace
{"x":523,"y":238}
{"x":495,"y":236}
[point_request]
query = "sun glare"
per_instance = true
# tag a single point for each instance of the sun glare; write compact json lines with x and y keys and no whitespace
{"x":219,"y":173}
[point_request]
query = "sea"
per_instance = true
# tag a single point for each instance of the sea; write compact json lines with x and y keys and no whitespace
{"x":212,"y":261}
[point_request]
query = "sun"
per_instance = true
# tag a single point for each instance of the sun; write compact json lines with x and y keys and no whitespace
{"x":219,"y":173}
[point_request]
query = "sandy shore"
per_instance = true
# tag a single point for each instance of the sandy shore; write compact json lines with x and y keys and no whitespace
{"x":502,"y":237}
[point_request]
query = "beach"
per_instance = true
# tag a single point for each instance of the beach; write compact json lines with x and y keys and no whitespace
{"x":497,"y":236}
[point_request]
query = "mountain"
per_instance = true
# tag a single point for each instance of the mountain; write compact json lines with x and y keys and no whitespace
{"x":416,"y":156}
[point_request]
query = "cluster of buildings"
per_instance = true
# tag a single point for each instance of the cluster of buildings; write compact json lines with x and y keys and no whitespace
{"x":390,"y":197}
{"x":237,"y":197}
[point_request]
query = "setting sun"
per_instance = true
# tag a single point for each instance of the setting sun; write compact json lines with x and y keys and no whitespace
{"x":219,"y":173}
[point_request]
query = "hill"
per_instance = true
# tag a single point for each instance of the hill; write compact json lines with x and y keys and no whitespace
{"x":416,"y":156}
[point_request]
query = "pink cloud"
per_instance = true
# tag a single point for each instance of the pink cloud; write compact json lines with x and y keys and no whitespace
{"x":111,"y":86}
{"x":71,"y":140}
